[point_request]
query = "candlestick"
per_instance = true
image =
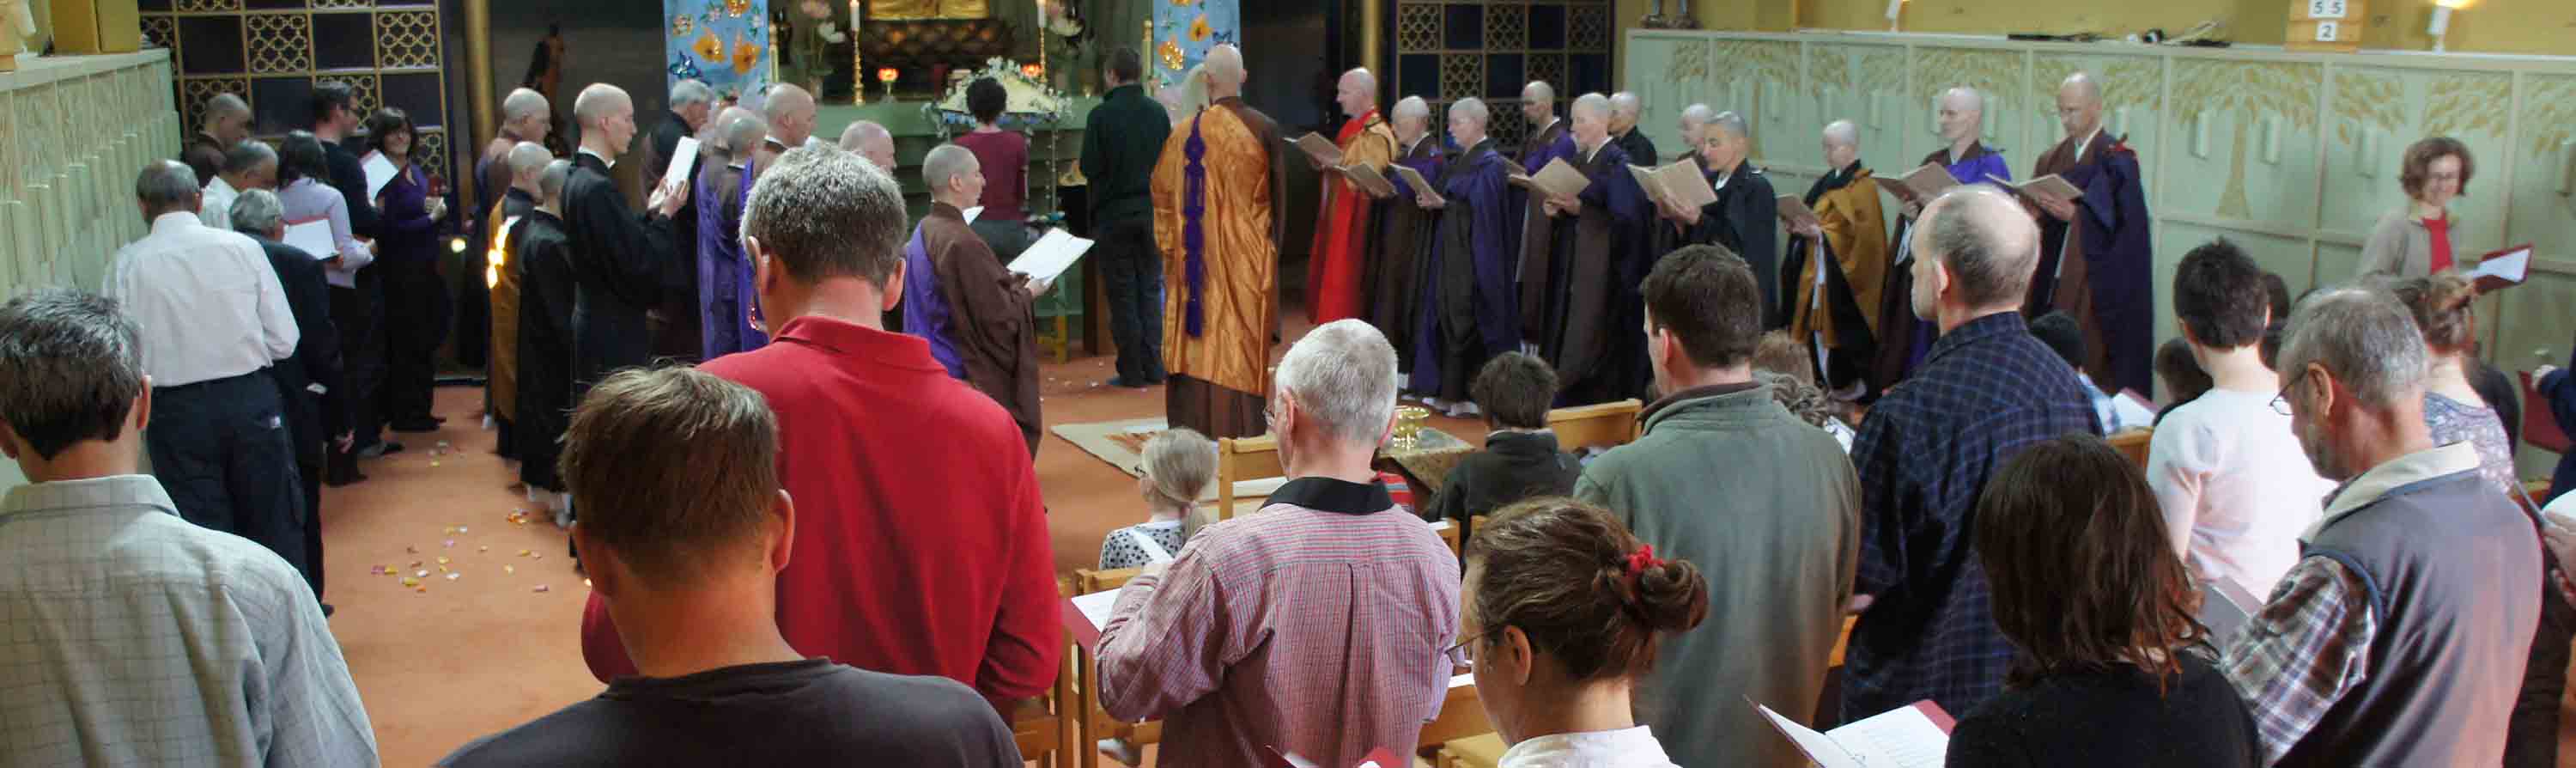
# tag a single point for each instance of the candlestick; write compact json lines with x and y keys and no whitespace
{"x":2441,"y":24}
{"x":1895,"y":11}
{"x":858,"y":90}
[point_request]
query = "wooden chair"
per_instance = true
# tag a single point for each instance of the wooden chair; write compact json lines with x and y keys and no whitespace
{"x":1046,"y":726}
{"x":1095,"y":723}
{"x":2133,"y":444}
{"x":1243,"y":458}
{"x":1595,"y":426}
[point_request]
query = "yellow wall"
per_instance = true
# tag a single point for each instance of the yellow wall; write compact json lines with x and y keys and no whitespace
{"x":2486,"y":26}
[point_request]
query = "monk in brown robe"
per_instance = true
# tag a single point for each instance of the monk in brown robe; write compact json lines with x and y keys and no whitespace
{"x":1404,"y":234}
{"x":1213,"y":221}
{"x":527,"y":164}
{"x":1837,"y":266}
{"x":977,"y":314}
{"x":2095,"y":250}
{"x":1602,"y":237}
{"x":1554,"y":139}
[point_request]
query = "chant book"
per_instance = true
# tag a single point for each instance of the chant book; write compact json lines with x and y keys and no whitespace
{"x":1678,"y":185}
{"x":1916,"y":736}
{"x":1322,"y":149}
{"x":2048,"y":187}
{"x":1795,"y":214}
{"x":2502,"y":269}
{"x":1369,"y":180}
{"x":1559,"y":178}
{"x":1925,"y":183}
{"x":1420,"y":185}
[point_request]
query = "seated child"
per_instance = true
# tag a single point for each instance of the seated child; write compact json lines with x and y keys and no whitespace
{"x":1179,"y":466}
{"x":1521,"y":459}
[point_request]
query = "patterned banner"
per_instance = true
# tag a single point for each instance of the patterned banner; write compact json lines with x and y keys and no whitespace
{"x":724,"y":43}
{"x":1184,"y":30}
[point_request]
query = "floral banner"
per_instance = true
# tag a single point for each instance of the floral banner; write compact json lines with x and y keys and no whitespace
{"x":1184,"y":30}
{"x":723,"y":43}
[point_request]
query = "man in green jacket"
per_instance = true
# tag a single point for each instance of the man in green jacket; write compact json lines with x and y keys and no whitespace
{"x":1120,"y":143}
{"x":1764,"y":503}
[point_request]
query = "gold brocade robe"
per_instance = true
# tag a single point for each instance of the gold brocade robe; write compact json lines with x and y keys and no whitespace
{"x":501,"y":381}
{"x":1227,"y":155}
{"x":1856,"y":237}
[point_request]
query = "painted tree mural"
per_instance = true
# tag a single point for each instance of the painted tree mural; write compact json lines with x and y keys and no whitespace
{"x":1997,"y":74}
{"x":2548,"y":113}
{"x":1754,"y":62}
{"x":2468,"y":103}
{"x":2249,"y":91}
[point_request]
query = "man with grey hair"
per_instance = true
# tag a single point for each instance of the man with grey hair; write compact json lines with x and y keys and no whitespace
{"x":872,"y":141}
{"x":978,"y":316}
{"x":725,"y":300}
{"x":1625,"y":109}
{"x":1217,"y":226}
{"x":1602,"y":248}
{"x":2385,"y":645}
{"x":628,"y":263}
{"x":222,"y":123}
{"x":1550,"y":140}
{"x":1330,"y":579}
{"x":214,"y":318}
{"x":549,"y":287}
{"x":137,"y":638}
{"x":1474,"y":314}
{"x":790,"y":112}
{"x":871,"y":430}
{"x":1405,"y":234}
{"x":1902,"y":338}
{"x":678,"y":326}
{"x":308,"y":382}
{"x":247,"y":165}
{"x":1986,"y":391}
{"x":1744,"y":218}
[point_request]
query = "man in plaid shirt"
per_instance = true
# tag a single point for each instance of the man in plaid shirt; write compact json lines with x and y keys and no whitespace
{"x":2401,"y":635}
{"x":1985,"y":390}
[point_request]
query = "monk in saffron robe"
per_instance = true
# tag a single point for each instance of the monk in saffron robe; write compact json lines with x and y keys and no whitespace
{"x":1404,"y":231}
{"x":1600,"y":255}
{"x":1333,"y":269}
{"x":1472,"y":312}
{"x":1903,"y":338}
{"x":1744,"y":218}
{"x":1213,"y":191}
{"x":1837,"y":266}
{"x":526,"y":162}
{"x":978,"y":316}
{"x":1554,"y":140}
{"x":2095,"y":250}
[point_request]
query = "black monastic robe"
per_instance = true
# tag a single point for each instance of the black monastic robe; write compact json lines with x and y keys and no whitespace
{"x":1393,"y":268}
{"x":625,"y":264}
{"x":548,"y":283}
{"x":1595,"y":335}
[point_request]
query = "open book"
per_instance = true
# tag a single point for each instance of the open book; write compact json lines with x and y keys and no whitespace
{"x":314,"y":239}
{"x":1923,"y":184}
{"x":1322,"y":149}
{"x":2502,"y":269}
{"x":1559,"y":178}
{"x":1678,"y":185}
{"x":2048,"y":187}
{"x":1084,"y":615}
{"x":1421,"y":186}
{"x":1051,"y":255}
{"x":1369,"y":180}
{"x":1916,"y":736}
{"x":1795,"y":214}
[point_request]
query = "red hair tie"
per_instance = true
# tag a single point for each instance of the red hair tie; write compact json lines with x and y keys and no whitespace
{"x":1641,"y":560}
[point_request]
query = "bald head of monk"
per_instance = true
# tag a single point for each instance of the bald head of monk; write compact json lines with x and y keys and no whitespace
{"x":1695,"y":123}
{"x":1357,"y":92}
{"x":1973,"y":256}
{"x":2079,"y":105}
{"x":1842,"y":144}
{"x":607,"y":119}
{"x":1591,"y":115}
{"x":1225,"y":74}
{"x":1962,"y":116}
{"x":1624,"y":109}
{"x":790,"y":112}
{"x":1538,"y":103}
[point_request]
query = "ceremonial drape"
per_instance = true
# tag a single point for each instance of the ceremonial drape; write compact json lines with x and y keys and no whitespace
{"x":1342,"y":224}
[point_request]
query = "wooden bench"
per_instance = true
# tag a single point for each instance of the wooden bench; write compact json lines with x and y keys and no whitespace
{"x":1602,"y":425}
{"x":1096,"y":724}
{"x":2133,"y":444}
{"x":1244,"y":458}
{"x":1046,"y":726}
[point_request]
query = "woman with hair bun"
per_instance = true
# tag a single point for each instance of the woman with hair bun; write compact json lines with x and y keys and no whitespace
{"x":2113,"y":669}
{"x":1564,"y":609}
{"x":2453,"y":408}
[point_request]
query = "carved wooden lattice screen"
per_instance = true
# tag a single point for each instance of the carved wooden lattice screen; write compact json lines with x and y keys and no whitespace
{"x":1488,"y":49}
{"x":272,"y":53}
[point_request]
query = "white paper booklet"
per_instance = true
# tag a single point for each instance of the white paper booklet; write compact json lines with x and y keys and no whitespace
{"x":314,"y":239}
{"x":380,"y":172}
{"x":684,"y":157}
{"x":1051,"y":255}
{"x":1915,"y":736}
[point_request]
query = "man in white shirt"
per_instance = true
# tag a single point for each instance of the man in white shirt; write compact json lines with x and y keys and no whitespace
{"x":213,"y":318}
{"x":2226,"y":467}
{"x":135,"y":638}
{"x":247,"y":165}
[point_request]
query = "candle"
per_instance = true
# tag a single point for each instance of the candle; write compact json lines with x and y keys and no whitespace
{"x":1033,"y":70}
{"x":2441,"y":22}
{"x":887,"y":74}
{"x":1895,"y":10}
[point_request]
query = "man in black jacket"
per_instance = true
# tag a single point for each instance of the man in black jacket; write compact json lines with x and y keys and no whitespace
{"x":676,"y":332}
{"x":335,"y":115}
{"x":309,"y":381}
{"x":1120,"y":144}
{"x":626,"y":262}
{"x":1520,"y":459}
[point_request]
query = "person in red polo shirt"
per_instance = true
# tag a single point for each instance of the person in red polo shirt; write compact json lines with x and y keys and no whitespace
{"x":921,"y":547}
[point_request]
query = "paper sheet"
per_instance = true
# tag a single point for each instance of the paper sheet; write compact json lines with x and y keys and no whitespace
{"x":1682,"y":181}
{"x":1095,"y":606}
{"x":971,"y":213}
{"x":1559,"y":177}
{"x":684,"y":157}
{"x":1322,"y":149}
{"x":2510,"y":265}
{"x":1051,"y":255}
{"x":1819,"y":748}
{"x":1905,"y":737}
{"x":314,"y":239}
{"x":1794,"y":211}
{"x":380,"y":172}
{"x":1420,"y":185}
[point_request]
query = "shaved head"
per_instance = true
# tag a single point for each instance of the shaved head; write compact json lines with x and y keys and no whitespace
{"x":1224,"y":68}
{"x":227,"y":118}
{"x":1694,"y":122}
{"x":528,"y":158}
{"x":1591,"y":115}
{"x":1964,"y":99}
{"x":1357,"y":92}
{"x":741,"y":131}
{"x":941,"y":168}
{"x":598,"y":101}
{"x":1842,"y":133}
{"x":1412,"y":119}
{"x":1538,"y":104}
{"x":1626,"y":104}
{"x":1538,"y":90}
{"x":2082,"y":85}
{"x":2079,"y":105}
{"x":1962,"y":117}
{"x":871,"y":141}
{"x":790,"y":112}
{"x":527,"y":114}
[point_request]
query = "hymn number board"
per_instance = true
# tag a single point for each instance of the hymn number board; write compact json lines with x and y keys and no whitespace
{"x":2326,"y":25}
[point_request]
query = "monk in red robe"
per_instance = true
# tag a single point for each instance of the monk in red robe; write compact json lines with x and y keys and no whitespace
{"x":1333,"y":267}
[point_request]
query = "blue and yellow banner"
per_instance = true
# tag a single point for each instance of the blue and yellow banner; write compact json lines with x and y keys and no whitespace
{"x":1184,"y":30}
{"x":723,"y":43}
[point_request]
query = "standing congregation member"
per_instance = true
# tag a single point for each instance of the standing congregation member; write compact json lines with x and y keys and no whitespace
{"x":876,"y":584}
{"x":790,"y":112}
{"x":1121,"y":141}
{"x":1004,"y":223}
{"x":1391,"y":277}
{"x":246,"y":166}
{"x":137,"y":638}
{"x":1625,"y":109}
{"x":308,"y":382}
{"x":1744,"y":219}
{"x":2225,"y":467}
{"x":549,"y":287}
{"x":1599,"y":233}
{"x":1342,"y":224}
{"x":1468,"y":312}
{"x":2440,"y":306}
{"x":686,"y":530}
{"x":976,"y":314}
{"x":1213,"y":191}
{"x":2415,"y":239}
{"x":1564,"y":613}
{"x":625,"y":261}
{"x":1902,"y":337}
{"x":223,"y":122}
{"x":2385,"y":645}
{"x":725,"y":299}
{"x":1924,"y":454}
{"x":2095,"y":250}
{"x":1329,"y":581}
{"x":305,"y":192}
{"x":1551,"y":138}
{"x":214,"y":318}
{"x":872,"y":141}
{"x":527,"y":163}
{"x":358,"y":298}
{"x":1726,"y":477}
{"x":2114,"y":670}
{"x":415,"y":298}
{"x":1837,"y":267}
{"x":2063,"y":336}
{"x":680,"y":327}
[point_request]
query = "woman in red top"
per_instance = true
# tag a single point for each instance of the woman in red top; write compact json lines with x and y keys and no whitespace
{"x":1004,"y":156}
{"x":2415,"y":240}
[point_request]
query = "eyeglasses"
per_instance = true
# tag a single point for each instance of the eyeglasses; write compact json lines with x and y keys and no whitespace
{"x":1465,"y":650}
{"x":2281,"y":402}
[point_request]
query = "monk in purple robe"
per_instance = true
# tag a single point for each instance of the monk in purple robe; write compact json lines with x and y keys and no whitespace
{"x":1904,"y":338}
{"x":726,"y":297}
{"x":1394,"y":269}
{"x":1472,"y":312}
{"x":1602,"y":251}
{"x":1554,"y":140}
{"x":2095,"y":250}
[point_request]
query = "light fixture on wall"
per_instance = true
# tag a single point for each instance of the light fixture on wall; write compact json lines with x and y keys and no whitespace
{"x":1895,"y":12}
{"x":2442,"y":20}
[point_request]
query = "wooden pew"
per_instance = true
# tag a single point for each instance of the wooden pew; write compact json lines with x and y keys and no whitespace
{"x":1046,"y":726}
{"x":2133,"y":444}
{"x":1243,"y":458}
{"x":1096,"y":724}
{"x":1595,"y":426}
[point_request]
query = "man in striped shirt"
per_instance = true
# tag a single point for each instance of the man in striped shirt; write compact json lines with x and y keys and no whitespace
{"x":1318,"y":625}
